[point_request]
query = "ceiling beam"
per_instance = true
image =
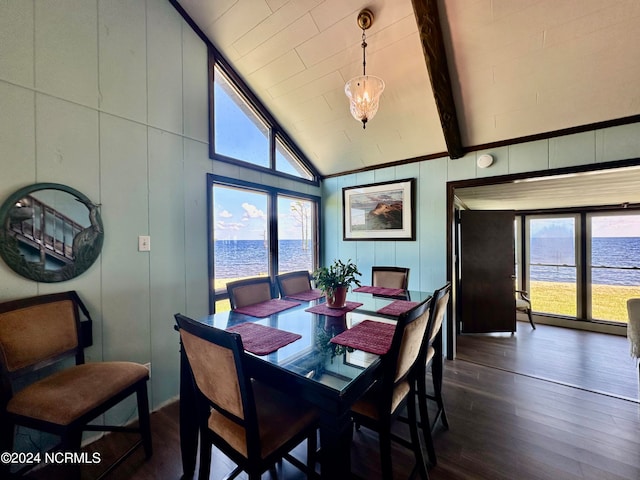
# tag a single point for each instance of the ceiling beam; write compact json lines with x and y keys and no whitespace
{"x":426,"y":13}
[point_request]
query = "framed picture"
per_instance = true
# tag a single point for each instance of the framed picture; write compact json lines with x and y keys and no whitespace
{"x":380,"y":211}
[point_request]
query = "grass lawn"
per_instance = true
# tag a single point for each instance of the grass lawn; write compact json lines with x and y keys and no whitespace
{"x":221,"y":283}
{"x":609,"y":301}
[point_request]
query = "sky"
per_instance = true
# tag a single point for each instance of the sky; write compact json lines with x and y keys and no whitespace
{"x":601,"y":226}
{"x":242,"y":215}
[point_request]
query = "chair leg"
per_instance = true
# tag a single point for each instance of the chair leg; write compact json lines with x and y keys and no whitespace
{"x":385,"y":451}
{"x":71,"y":442}
{"x":424,"y":419}
{"x":143,"y":419}
{"x":205,"y":457}
{"x":531,"y":319}
{"x":437,"y":368}
{"x":415,"y":439}
{"x":7,"y":432}
{"x":312,"y":449}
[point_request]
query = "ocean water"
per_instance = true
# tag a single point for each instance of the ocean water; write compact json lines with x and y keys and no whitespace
{"x":621,"y":252}
{"x":246,"y":258}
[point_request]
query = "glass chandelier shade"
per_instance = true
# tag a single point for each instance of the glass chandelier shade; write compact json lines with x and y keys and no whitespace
{"x":364,"y":95}
{"x":364,"y":91}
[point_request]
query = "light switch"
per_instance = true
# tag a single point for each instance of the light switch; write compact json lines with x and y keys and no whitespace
{"x":144,"y":243}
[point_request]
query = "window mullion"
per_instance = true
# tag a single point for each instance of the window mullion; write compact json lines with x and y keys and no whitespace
{"x":273,"y":236}
{"x":583,"y":287}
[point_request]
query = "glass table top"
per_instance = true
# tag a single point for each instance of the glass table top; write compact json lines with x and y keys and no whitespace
{"x":312,"y":357}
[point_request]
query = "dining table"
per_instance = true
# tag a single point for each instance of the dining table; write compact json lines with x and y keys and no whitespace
{"x":305,"y":363}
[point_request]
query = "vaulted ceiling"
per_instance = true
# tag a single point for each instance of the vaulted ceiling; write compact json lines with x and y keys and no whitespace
{"x":501,"y":69}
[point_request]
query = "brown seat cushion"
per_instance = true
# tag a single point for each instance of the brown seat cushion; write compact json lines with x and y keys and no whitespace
{"x":279,"y":418}
{"x":367,"y":404}
{"x":68,"y":394}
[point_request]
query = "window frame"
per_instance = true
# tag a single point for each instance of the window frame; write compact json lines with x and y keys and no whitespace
{"x":215,"y":60}
{"x":583,"y":236}
{"x":272,"y":226}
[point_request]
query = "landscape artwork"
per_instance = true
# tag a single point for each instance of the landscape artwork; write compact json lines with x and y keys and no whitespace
{"x":381,"y":211}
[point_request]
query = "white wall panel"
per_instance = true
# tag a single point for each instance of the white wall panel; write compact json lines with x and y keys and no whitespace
{"x":164,"y":66}
{"x":17,"y":132}
{"x":66,"y":45}
{"x":123,"y":58}
{"x":125,"y":214}
{"x":67,"y":145}
{"x":572,"y":150}
{"x":618,"y":143}
{"x":530,"y":156}
{"x":16,"y":41}
{"x":167,"y":256}
{"x":196,"y":86}
{"x":197,"y":165}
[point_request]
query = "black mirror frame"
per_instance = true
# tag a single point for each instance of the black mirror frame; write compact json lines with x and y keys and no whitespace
{"x":84,"y":257}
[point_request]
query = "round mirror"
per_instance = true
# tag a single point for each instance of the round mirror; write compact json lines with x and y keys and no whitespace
{"x":50,"y":232}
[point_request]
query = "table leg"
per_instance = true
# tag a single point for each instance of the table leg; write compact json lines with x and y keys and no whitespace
{"x":336,"y":433}
{"x":188,"y":419}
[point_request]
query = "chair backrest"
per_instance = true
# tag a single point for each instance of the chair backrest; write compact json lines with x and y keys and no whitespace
{"x":293,"y":282}
{"x":216,"y":361}
{"x":249,"y":291}
{"x":38,"y":331}
{"x":406,"y":346}
{"x":439,"y":308}
{"x":633,"y":327}
{"x":390,"y":277}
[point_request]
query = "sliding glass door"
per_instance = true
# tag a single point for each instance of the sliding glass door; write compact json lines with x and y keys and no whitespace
{"x":582,"y":265}
{"x":614,"y":264}
{"x":552,"y":264}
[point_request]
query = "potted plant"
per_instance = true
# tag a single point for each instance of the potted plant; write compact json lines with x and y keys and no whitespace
{"x":335,"y":281}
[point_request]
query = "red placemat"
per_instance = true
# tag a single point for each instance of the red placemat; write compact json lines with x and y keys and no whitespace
{"x":369,"y":336}
{"x":322,"y":309}
{"x":380,"y":291}
{"x":264,"y":309}
{"x":307,"y":295}
{"x":397,"y":307}
{"x":260,"y":339}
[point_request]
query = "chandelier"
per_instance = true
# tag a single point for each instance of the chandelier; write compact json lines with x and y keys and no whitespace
{"x":364,"y":91}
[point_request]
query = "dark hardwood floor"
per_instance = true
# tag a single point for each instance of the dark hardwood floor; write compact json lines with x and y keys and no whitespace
{"x":505,"y":425}
{"x":593,"y":361}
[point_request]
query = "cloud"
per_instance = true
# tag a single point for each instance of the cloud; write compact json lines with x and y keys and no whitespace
{"x":251,"y":211}
{"x":222,"y":225}
{"x":225,"y":214}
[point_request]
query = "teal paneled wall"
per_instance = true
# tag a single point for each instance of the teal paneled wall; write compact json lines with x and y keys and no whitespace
{"x":111,"y":98}
{"x":427,"y":255}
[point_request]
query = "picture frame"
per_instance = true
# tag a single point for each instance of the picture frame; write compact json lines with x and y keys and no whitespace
{"x":379,"y":211}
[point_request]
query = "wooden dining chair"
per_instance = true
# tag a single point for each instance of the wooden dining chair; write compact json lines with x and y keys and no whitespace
{"x":39,"y":332}
{"x":433,"y":359}
{"x":293,"y":282}
{"x":253,"y":424}
{"x":384,"y":401}
{"x":249,"y":291}
{"x":390,"y":277}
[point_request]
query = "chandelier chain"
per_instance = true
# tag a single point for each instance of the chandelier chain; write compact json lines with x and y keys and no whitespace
{"x":364,"y":49}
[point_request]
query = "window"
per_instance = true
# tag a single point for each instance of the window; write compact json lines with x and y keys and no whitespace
{"x":584,"y":265}
{"x":614,"y":264}
{"x":257,"y":230}
{"x":243,"y":131}
{"x":552,"y":265}
{"x":287,"y":162}
{"x":295,"y":234}
{"x":238,"y":130}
